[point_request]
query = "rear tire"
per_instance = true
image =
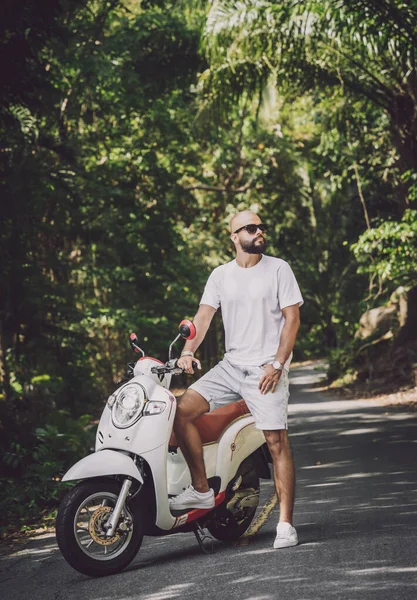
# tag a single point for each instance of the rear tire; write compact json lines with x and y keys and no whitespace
{"x":80,"y":534}
{"x":233,"y":518}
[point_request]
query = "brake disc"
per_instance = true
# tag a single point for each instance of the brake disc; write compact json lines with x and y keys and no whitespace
{"x":96,"y":527}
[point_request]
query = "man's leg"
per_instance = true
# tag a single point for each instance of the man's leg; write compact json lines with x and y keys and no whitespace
{"x":284,"y":475}
{"x":191,"y":406}
{"x":218,"y":383}
{"x":270,"y":412}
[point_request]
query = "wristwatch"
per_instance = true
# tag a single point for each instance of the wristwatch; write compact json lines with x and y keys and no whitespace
{"x":187,"y":353}
{"x":277,"y":365}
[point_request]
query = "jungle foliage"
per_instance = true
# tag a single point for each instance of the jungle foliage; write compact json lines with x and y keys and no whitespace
{"x":130,"y":132}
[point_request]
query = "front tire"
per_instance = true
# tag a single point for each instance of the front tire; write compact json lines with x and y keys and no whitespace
{"x":236,"y":513}
{"x":80,"y":533}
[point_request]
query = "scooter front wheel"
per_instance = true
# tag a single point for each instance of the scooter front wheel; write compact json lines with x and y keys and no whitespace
{"x":81,"y":534}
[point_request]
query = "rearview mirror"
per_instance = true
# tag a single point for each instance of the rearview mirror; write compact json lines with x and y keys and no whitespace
{"x":187,"y":329}
{"x":134,"y":343}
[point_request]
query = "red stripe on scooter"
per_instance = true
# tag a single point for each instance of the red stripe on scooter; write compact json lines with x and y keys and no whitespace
{"x":196,"y":513}
{"x":151,"y":358}
{"x":172,"y":398}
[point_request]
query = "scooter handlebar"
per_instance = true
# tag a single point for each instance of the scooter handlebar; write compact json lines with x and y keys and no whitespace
{"x":170,"y":367}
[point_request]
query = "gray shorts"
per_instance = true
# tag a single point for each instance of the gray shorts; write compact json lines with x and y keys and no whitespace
{"x":228,"y":382}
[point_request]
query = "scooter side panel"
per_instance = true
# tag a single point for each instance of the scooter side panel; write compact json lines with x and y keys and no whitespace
{"x":156,"y":460}
{"x":210,"y":459}
{"x":178,"y":472}
{"x":165,"y":521}
{"x":103,"y":463}
{"x":237,"y":443}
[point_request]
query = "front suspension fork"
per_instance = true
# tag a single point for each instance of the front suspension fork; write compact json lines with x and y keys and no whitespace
{"x":111,"y":524}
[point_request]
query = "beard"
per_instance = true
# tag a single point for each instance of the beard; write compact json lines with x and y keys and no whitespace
{"x":257,"y":246}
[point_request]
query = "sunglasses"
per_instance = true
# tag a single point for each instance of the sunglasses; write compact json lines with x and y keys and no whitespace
{"x":252,"y":229}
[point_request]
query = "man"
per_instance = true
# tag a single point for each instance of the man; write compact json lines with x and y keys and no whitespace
{"x":260,"y":299}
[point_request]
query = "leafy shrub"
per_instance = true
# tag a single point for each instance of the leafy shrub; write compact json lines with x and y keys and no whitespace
{"x":342,"y":360}
{"x":34,"y":470}
{"x":389,"y":251}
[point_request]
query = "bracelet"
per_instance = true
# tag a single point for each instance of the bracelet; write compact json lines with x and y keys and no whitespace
{"x":187,"y":353}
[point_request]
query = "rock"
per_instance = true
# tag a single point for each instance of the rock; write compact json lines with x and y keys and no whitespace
{"x":376,"y":321}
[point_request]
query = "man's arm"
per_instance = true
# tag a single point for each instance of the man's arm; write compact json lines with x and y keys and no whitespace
{"x":286,"y":344}
{"x":289,"y":333}
{"x":202,"y":322}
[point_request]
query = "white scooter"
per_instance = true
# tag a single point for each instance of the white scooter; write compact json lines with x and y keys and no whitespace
{"x":137,"y":466}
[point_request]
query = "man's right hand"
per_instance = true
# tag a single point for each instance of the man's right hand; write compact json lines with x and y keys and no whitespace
{"x":186,"y":363}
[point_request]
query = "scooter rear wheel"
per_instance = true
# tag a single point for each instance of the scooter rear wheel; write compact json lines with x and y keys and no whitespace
{"x":81,"y":535}
{"x":237,"y":511}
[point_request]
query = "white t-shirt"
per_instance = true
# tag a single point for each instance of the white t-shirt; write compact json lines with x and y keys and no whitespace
{"x":251,"y":302}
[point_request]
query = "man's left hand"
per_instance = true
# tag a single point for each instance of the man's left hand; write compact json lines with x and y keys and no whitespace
{"x":269,"y":381}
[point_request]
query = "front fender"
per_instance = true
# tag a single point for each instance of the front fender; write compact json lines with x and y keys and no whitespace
{"x":104,"y":462}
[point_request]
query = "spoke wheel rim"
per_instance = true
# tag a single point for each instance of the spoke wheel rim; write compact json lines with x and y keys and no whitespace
{"x":91,"y":514}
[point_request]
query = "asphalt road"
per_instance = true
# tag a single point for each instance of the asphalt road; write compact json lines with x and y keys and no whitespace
{"x":356,"y":515}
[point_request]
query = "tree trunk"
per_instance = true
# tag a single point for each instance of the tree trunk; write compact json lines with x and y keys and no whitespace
{"x":403,"y":114}
{"x":408,"y":333}
{"x":4,"y":367}
{"x":330,"y":335}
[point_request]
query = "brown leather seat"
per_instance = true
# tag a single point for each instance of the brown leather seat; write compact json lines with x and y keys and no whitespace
{"x":211,"y":425}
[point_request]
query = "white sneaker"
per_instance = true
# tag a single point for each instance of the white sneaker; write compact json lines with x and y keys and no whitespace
{"x":190,"y":498}
{"x":286,"y":536}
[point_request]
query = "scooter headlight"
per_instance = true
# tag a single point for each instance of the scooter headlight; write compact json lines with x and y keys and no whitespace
{"x":128,"y":406}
